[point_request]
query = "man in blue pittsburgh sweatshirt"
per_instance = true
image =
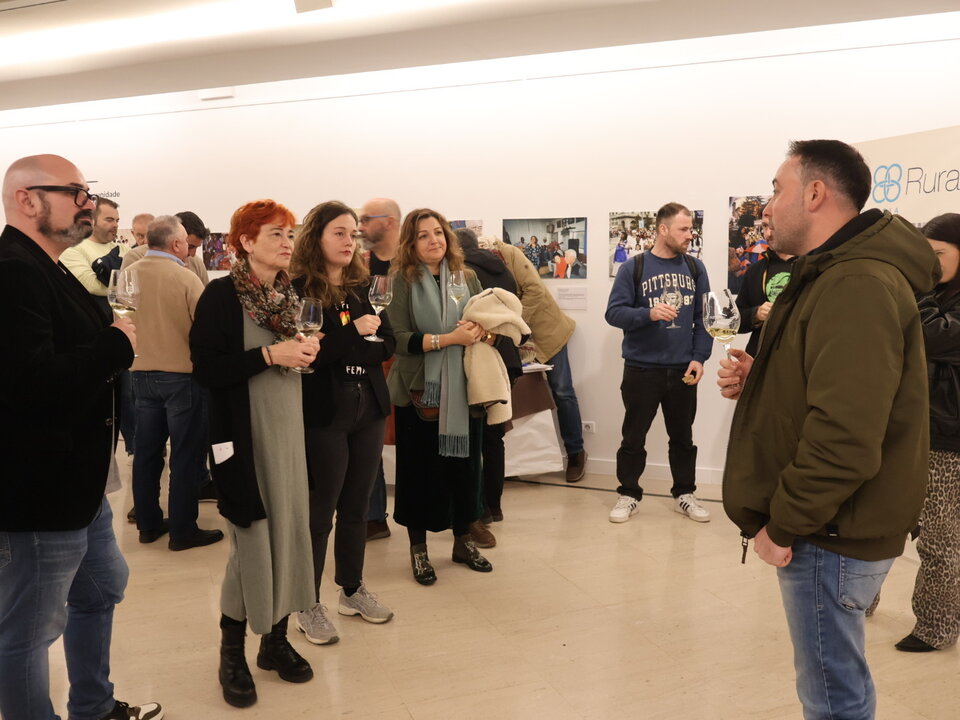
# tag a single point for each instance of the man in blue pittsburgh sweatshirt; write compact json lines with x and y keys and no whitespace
{"x":663,"y":351}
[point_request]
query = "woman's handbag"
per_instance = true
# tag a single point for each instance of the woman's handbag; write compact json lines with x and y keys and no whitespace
{"x":426,"y":413}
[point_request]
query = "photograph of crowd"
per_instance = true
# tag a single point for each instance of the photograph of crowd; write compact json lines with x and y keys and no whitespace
{"x":217,"y":255}
{"x":475,"y":225}
{"x":746,"y":243}
{"x":632,"y":233}
{"x":557,"y":247}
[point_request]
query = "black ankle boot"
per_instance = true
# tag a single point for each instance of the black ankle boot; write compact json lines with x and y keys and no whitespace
{"x":423,"y":571}
{"x":276,"y":653}
{"x":238,"y":687}
{"x":465,"y":551}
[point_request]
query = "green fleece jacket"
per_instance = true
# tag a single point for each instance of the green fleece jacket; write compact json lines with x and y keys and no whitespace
{"x":830,"y":435}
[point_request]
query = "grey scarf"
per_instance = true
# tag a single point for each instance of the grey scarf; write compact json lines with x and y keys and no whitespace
{"x":445,"y":385}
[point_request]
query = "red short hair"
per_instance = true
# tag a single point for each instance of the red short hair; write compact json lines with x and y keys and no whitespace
{"x":248,"y":220}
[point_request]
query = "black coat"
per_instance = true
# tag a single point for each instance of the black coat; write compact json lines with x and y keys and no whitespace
{"x":492,"y":272}
{"x":753,"y":294}
{"x":940,"y":315}
{"x":341,"y":342}
{"x":57,"y":429}
{"x":222,"y":366}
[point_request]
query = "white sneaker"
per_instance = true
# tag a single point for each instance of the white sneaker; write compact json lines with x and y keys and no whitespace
{"x":316,"y":626}
{"x":625,"y":507}
{"x":365,"y":604}
{"x":689,"y":505}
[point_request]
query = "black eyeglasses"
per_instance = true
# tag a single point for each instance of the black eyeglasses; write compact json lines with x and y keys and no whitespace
{"x":80,"y":196}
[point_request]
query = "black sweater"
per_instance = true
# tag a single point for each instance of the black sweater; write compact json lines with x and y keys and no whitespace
{"x":222,"y":366}
{"x":342,"y":345}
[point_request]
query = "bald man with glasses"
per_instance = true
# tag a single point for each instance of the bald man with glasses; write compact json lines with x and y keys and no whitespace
{"x":61,"y":572}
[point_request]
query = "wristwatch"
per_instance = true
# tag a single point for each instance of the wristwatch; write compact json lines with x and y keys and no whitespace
{"x":488,"y":336}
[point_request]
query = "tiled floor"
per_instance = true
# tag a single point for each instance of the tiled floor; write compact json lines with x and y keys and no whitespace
{"x":581,"y":618}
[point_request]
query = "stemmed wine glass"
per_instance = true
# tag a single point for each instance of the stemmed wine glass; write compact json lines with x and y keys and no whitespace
{"x":309,"y":322}
{"x":123,"y":292}
{"x":381,"y":293}
{"x":457,"y":287}
{"x":672,"y":296}
{"x":721,"y":317}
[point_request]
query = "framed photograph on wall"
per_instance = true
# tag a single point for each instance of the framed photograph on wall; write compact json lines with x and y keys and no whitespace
{"x":745,"y":244}
{"x":635,"y":232}
{"x":557,"y":247}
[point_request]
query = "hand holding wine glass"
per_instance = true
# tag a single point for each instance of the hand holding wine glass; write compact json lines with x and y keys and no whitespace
{"x":721,"y":319}
{"x":309,"y":324}
{"x":380,"y":295}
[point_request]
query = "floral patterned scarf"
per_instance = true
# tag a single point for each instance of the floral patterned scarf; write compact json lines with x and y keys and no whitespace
{"x":273,"y":308}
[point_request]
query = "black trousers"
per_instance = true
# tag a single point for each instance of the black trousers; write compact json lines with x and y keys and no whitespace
{"x":343,"y":458}
{"x":493,"y":466}
{"x":643,"y":391}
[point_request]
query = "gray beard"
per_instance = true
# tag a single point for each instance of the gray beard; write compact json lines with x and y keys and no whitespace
{"x":69,"y":236}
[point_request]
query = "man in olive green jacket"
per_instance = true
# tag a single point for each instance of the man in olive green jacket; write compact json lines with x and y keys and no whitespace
{"x":827,"y":461}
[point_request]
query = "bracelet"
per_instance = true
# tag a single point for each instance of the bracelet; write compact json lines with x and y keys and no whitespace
{"x":434,"y":342}
{"x":269,"y":355}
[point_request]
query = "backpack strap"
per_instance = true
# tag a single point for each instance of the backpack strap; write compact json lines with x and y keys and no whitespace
{"x":638,"y":270}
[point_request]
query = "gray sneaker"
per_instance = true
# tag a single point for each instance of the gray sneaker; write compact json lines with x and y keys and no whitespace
{"x":365,"y":604}
{"x":316,"y":626}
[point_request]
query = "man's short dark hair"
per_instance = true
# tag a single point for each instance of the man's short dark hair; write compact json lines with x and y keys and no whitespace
{"x":670,"y":211}
{"x":105,"y":201}
{"x":467,"y":238}
{"x":193,"y":224}
{"x":839,"y":164}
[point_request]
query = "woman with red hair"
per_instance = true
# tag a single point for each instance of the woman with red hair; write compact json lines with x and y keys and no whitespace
{"x":244,"y":343}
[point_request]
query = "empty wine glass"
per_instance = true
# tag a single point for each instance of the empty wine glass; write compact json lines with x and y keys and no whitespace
{"x":381,"y":293}
{"x":721,"y":319}
{"x":457,"y":287}
{"x":672,"y":296}
{"x":309,"y":323}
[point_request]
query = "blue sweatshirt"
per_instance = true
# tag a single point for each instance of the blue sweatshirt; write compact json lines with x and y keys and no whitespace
{"x":648,"y":343}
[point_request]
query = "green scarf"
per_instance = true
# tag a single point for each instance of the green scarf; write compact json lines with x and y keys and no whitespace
{"x":445,"y":385}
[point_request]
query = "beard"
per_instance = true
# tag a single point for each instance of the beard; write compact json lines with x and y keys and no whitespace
{"x":72,"y":235}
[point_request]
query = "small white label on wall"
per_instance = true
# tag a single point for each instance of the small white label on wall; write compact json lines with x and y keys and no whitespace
{"x":572,"y":298}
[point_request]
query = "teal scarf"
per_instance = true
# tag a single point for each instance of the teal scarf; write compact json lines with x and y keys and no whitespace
{"x":435,"y":312}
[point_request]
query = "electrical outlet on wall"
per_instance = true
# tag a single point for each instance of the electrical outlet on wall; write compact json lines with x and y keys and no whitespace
{"x":589,"y":426}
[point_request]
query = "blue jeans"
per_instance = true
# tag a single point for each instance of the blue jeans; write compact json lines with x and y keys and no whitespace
{"x":825,"y":596}
{"x":51,"y":584}
{"x":171,"y":403}
{"x":568,"y":409}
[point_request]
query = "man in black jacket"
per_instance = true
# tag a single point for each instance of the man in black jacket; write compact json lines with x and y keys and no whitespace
{"x":61,"y":571}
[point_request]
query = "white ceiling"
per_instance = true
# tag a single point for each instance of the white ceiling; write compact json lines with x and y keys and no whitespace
{"x":60,"y":51}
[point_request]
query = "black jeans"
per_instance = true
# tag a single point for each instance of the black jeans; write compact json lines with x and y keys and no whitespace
{"x":343,"y":458}
{"x":493,"y":466}
{"x":644,"y":390}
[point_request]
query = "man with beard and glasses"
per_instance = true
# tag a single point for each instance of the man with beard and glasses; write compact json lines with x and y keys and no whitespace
{"x":61,"y":572}
{"x":828,"y":445}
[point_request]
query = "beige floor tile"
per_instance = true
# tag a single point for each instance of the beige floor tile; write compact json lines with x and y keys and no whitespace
{"x":581,"y":618}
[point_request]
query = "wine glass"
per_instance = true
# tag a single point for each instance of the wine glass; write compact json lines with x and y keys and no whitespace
{"x":381,"y":293}
{"x":309,"y":322}
{"x":672,"y":296}
{"x":123,"y":293}
{"x":457,"y":287}
{"x":721,"y":317}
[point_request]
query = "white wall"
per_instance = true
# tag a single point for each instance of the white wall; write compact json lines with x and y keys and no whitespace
{"x":575,"y":134}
